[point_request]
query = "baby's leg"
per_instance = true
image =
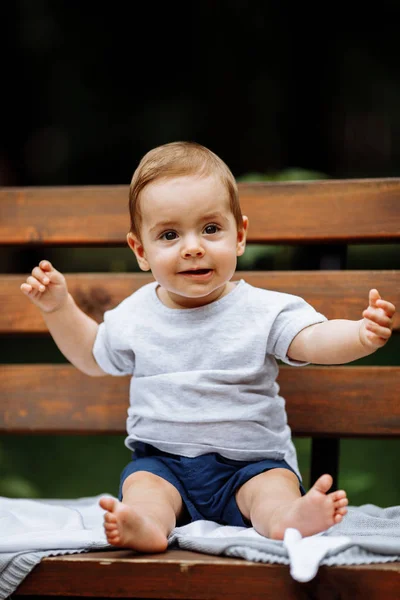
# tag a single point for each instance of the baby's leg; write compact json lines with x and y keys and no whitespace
{"x":146,"y":516}
{"x":272,"y":502}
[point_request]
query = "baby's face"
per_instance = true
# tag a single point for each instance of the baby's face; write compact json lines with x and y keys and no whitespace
{"x":189,"y":239}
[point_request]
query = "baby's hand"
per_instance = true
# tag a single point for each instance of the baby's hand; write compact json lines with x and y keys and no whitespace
{"x":46,"y":287}
{"x":376,"y":327}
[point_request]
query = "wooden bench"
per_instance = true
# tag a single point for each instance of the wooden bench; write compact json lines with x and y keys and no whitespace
{"x":324,"y":403}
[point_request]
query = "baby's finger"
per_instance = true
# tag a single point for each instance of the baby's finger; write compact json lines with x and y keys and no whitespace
{"x":378,"y":330}
{"x":373,"y":297}
{"x":388,"y":307}
{"x":26,"y":288}
{"x":378,"y":316}
{"x":50,"y":272}
{"x":46,"y":265}
{"x":40,"y":275}
{"x":35,"y":284}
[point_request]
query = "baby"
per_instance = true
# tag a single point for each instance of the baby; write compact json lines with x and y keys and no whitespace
{"x":206,"y":424}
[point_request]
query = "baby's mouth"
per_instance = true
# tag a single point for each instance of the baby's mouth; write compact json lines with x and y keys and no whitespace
{"x":195,"y":272}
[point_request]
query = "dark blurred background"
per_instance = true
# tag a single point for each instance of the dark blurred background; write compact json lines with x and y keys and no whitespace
{"x":277,"y":90}
{"x":89,"y":88}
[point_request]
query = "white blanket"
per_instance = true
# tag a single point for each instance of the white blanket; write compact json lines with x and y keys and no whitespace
{"x":33,"y":529}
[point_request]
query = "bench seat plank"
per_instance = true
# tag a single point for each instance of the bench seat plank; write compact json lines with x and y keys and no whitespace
{"x":193,"y":576}
{"x":345,"y":400}
{"x":331,"y":210}
{"x":336,"y":294}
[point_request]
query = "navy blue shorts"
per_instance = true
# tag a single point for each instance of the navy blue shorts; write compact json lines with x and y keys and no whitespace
{"x":207,"y":483}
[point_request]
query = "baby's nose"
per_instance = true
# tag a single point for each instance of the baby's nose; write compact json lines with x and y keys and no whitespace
{"x":193,"y":248}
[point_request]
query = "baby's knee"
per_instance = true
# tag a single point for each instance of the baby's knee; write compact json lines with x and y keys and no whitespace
{"x":143,"y":478}
{"x":151,"y":488}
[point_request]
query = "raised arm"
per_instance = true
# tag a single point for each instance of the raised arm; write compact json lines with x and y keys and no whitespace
{"x":341,"y":341}
{"x":73,"y":331}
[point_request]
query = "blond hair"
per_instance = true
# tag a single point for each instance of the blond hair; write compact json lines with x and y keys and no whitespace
{"x":180,"y":159}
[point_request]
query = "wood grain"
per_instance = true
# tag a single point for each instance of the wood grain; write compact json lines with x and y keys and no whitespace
{"x":357,"y":210}
{"x":193,"y":576}
{"x":336,"y":294}
{"x":339,"y":401}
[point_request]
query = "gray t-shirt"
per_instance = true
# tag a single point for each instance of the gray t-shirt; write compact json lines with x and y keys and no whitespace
{"x":204,"y":379}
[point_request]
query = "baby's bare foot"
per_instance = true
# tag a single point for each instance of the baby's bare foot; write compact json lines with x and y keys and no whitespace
{"x":126,"y":528}
{"x":312,"y":513}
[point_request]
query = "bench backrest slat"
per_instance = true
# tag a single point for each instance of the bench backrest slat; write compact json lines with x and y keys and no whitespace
{"x":298,"y":212}
{"x":359,"y":401}
{"x":336,"y":294}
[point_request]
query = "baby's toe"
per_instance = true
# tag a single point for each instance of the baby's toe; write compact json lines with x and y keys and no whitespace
{"x":338,"y":518}
{"x":340,"y":504}
{"x":107,"y":503}
{"x":110,"y":518}
{"x":339,"y":495}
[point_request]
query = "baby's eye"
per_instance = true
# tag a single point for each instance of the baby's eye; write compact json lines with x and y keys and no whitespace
{"x":211,"y":229}
{"x":169,"y":236}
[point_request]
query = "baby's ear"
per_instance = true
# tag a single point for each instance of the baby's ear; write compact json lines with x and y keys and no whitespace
{"x":137,"y":248}
{"x":241,"y":237}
